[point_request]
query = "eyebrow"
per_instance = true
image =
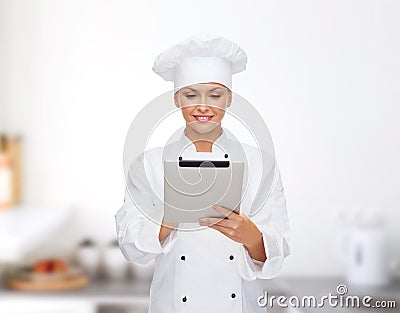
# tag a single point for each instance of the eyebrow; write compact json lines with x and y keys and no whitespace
{"x":209,"y":90}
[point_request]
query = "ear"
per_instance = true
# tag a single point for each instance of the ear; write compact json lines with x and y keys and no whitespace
{"x":176,"y":99}
{"x":229,"y":98}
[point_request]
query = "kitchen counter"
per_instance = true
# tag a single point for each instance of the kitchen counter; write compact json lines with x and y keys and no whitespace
{"x":136,"y":293}
{"x":99,"y":295}
{"x":98,"y":291}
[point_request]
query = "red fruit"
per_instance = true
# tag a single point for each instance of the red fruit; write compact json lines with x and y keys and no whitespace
{"x":41,"y":266}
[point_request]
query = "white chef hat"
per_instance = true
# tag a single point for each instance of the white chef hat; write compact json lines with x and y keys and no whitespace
{"x":201,"y":59}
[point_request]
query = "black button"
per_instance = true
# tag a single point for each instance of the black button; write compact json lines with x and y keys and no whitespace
{"x":183,"y":258}
{"x":231,"y":257}
{"x":226,"y":156}
{"x":184,"y":299}
{"x":233,"y":295}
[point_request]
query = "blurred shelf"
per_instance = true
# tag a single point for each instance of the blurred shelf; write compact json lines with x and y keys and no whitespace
{"x":22,"y":229}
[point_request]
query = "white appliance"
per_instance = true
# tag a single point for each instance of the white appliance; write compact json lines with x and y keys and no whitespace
{"x":364,"y":250}
{"x":367,"y":257}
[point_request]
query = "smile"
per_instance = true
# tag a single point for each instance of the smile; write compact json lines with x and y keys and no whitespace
{"x":202,"y":118}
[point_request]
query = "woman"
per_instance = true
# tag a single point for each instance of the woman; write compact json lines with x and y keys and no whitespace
{"x":217,"y":267}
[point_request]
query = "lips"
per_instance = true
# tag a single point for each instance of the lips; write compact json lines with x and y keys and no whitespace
{"x":202,"y":118}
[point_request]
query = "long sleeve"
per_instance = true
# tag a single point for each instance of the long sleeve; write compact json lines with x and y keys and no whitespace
{"x":138,"y":221}
{"x":273,"y":222}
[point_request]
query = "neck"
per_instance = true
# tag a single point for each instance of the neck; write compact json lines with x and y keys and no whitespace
{"x":203,"y":142}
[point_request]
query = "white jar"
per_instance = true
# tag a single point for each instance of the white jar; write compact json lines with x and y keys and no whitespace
{"x":88,"y":258}
{"x":115,"y":264}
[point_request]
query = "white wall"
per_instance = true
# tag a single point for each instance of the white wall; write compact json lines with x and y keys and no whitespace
{"x":324,"y":75}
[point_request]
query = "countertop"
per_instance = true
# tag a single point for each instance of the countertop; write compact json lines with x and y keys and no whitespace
{"x":101,"y":292}
{"x":98,"y":291}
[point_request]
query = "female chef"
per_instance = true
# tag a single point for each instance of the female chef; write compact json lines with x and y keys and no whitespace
{"x":218,"y":267}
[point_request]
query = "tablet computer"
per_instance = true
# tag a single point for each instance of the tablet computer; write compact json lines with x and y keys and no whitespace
{"x":192,"y":187}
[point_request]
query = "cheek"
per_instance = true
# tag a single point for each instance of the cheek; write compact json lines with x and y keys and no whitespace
{"x":186,"y":114}
{"x":219,"y":114}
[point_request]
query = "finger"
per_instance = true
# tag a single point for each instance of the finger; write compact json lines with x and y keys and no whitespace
{"x":226,"y":231}
{"x":206,"y":221}
{"x":228,"y":213}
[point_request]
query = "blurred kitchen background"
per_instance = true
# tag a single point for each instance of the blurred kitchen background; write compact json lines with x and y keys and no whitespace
{"x":73,"y":76}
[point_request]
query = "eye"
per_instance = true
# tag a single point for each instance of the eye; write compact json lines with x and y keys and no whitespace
{"x":190,"y":96}
{"x":215,"y":96}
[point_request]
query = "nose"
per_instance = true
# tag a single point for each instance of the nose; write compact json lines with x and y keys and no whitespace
{"x":202,"y":107}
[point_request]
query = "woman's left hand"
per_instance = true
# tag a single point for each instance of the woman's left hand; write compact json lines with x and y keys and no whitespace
{"x":239,"y":228}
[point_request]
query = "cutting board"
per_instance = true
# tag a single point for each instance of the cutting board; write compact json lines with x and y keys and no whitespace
{"x":47,"y":282}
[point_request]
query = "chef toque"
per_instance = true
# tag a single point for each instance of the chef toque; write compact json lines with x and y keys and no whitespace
{"x":201,"y":59}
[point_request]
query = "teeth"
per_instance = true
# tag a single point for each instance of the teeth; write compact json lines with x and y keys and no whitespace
{"x":203,"y":118}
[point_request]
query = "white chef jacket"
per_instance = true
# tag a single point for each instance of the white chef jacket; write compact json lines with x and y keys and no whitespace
{"x":203,"y":270}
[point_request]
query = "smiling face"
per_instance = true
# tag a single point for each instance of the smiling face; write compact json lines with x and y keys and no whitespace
{"x":203,"y":105}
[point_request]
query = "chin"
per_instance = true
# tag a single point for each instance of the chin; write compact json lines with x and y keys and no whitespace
{"x":203,"y":127}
